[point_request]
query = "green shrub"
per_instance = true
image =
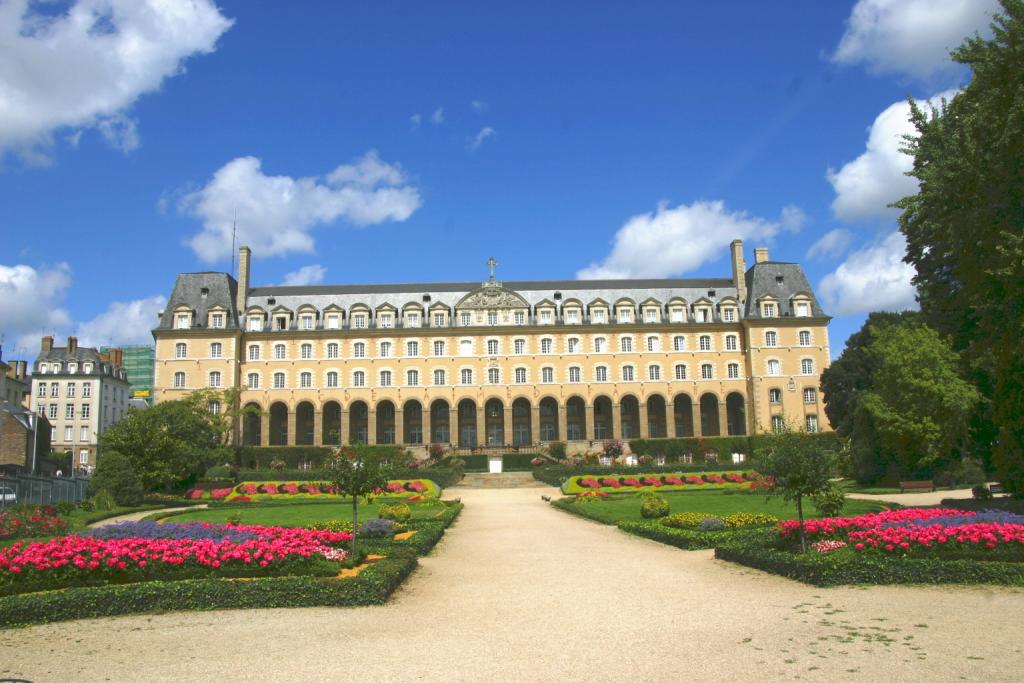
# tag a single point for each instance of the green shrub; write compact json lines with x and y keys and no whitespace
{"x":556,"y":449}
{"x":711,"y":524}
{"x":338,"y":526}
{"x":829,"y":502}
{"x":116,"y":477}
{"x":967,"y":471}
{"x":738,"y":520}
{"x":398,"y":513}
{"x":218,"y":473}
{"x":654,"y":507}
{"x":981,"y":492}
{"x":687,"y":539}
{"x":685,"y":520}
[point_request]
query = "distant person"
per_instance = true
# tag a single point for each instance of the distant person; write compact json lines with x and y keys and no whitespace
{"x":60,"y":474}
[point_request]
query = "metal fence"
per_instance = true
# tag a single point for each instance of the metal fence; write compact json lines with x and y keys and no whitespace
{"x":34,"y":490}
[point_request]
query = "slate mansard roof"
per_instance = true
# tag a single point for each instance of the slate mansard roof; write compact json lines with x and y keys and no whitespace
{"x":221,"y":289}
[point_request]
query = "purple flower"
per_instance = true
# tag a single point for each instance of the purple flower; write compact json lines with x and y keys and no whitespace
{"x":197,"y":531}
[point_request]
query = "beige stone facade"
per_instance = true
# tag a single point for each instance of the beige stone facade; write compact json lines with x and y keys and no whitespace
{"x":502,"y":364}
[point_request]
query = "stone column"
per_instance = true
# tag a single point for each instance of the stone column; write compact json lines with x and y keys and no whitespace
{"x":399,"y":426}
{"x":265,"y":429}
{"x":343,"y":436}
{"x":453,"y":426}
{"x":371,"y":426}
{"x":616,"y":421}
{"x":588,"y":421}
{"x":670,"y":419}
{"x":697,"y":417}
{"x":535,"y":423}
{"x":318,"y":427}
{"x":563,"y":424}
{"x":291,"y":427}
{"x":645,"y":431}
{"x":481,"y":426}
{"x":723,"y":419}
{"x":508,"y":427}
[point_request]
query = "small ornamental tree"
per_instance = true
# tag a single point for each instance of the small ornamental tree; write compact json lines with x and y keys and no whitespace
{"x":116,"y":475}
{"x":359,"y":472}
{"x":798,"y":468}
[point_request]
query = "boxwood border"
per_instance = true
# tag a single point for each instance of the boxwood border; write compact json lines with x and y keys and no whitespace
{"x":686,"y":539}
{"x":372,"y":586}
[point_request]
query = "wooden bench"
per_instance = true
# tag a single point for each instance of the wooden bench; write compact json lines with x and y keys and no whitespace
{"x":916,"y":486}
{"x":996,"y":488}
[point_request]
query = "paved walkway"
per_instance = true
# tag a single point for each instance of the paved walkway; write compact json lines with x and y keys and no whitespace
{"x":518,"y":590}
{"x":136,"y":516}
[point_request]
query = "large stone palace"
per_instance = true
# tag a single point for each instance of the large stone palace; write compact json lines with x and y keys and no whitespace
{"x":502,"y":363}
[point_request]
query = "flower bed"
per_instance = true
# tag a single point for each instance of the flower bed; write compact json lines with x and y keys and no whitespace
{"x":25,"y":522}
{"x":133,"y":552}
{"x":248,"y":491}
{"x":673,"y":481}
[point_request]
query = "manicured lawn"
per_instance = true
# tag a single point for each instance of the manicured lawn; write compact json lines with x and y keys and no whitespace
{"x":627,"y":507}
{"x":298,"y":514}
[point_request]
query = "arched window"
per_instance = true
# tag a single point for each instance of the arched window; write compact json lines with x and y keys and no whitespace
{"x":493,"y":376}
{"x":778,"y":424}
{"x":599,"y":345}
{"x":279,"y":352}
{"x":520,"y":375}
{"x":805,"y":338}
{"x":810,"y":395}
{"x":775,"y":396}
{"x":180,"y":350}
{"x":306,"y":350}
{"x":306,"y":380}
{"x":215,"y":379}
{"x":439,"y":378}
{"x":771,"y":338}
{"x":438,"y":348}
{"x":807,"y":366}
{"x":627,"y":373}
{"x":654,"y":373}
{"x":279,"y":380}
{"x":731,"y":342}
{"x":680,"y":371}
{"x":412,"y":378}
{"x":601,"y":374}
{"x":359,"y":350}
{"x":574,"y":375}
{"x":466,"y":347}
{"x":519,"y":346}
{"x":332,"y":350}
{"x":733,"y":370}
{"x":653,"y":343}
{"x":573,"y":345}
{"x":412,"y":349}
{"x":492,"y":347}
{"x":626,"y":344}
{"x":466,"y":376}
{"x":253,"y":380}
{"x":707,"y":371}
{"x":216,"y":350}
{"x":705,"y":342}
{"x":359,"y":378}
{"x":679,"y":343}
{"x":812,"y":423}
{"x":332,"y":379}
{"x":547,"y":375}
{"x":254,"y":352}
{"x":774,"y":368}
{"x":385,"y":349}
{"x":385,"y":378}
{"x":545,"y":346}
{"x":213,"y":407}
{"x":179,"y":380}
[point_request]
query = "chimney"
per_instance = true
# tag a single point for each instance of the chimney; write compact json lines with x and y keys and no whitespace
{"x":760,"y":254}
{"x":244,"y":256}
{"x":739,"y":269}
{"x":47,"y":344}
{"x":72,"y":344}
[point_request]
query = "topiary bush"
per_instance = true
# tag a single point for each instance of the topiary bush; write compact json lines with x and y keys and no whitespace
{"x":115,"y":476}
{"x":981,"y":492}
{"x":829,"y":502}
{"x":711,"y":524}
{"x":654,"y":507}
{"x":398,"y":513}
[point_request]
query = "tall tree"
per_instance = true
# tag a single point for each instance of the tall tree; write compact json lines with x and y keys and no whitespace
{"x":360,"y":471}
{"x":914,"y":416}
{"x":851,"y":373}
{"x":965,"y":226}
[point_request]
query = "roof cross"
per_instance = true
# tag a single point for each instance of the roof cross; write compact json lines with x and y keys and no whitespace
{"x":491,"y":263}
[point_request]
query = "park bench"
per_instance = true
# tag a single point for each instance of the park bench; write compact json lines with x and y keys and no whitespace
{"x":996,"y":488}
{"x":916,"y":486}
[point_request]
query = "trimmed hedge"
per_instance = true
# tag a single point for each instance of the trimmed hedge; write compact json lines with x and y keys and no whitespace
{"x":723,"y":445}
{"x":587,"y":510}
{"x":252,"y":457}
{"x":758,"y":550}
{"x":555,"y":475}
{"x":687,"y":539}
{"x":371,"y":587}
{"x":444,"y":477}
{"x":572,"y":484}
{"x":1015,"y":505}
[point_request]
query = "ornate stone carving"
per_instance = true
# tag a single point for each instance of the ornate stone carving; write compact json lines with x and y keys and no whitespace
{"x":492,"y":296}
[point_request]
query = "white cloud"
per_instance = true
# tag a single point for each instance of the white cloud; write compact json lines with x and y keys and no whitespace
{"x":123,"y":323}
{"x":832,"y":244}
{"x":674,"y":240}
{"x":912,"y":37}
{"x":867,"y":185}
{"x":30,"y":304}
{"x":86,"y":66}
{"x":793,"y":218}
{"x":275,"y":214}
{"x":306,"y":275}
{"x":478,"y":139}
{"x":479,"y":106}
{"x":873,"y":278}
{"x":437,"y":117}
{"x":415,"y":120}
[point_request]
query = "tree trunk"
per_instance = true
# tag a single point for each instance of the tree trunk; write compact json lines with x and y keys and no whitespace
{"x":355,"y":523}
{"x":800,"y":515}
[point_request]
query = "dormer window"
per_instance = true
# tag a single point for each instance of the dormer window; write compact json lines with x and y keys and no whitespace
{"x":182,"y":321}
{"x":465,"y":319}
{"x":255,"y":322}
{"x":625,"y":315}
{"x":677,"y":315}
{"x":769,"y":310}
{"x":802,"y":309}
{"x":359,"y":321}
{"x":384,"y":320}
{"x":412,"y":319}
{"x":572,"y":317}
{"x":520,"y":318}
{"x":492,"y":318}
{"x":597,"y":316}
{"x":333,"y":321}
{"x":307,"y":322}
{"x":217,"y":320}
{"x":729,"y":314}
{"x":651,"y":315}
{"x":87,"y":368}
{"x":72,"y":367}
{"x":280,"y":322}
{"x":545,"y":316}
{"x":439,"y":320}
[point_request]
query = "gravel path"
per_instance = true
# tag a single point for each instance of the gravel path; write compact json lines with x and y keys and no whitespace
{"x":520,"y":591}
{"x":136,"y":516}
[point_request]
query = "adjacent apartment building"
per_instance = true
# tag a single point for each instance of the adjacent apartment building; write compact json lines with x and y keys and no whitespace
{"x":502,"y":363}
{"x":82,"y":392}
{"x":14,"y":381}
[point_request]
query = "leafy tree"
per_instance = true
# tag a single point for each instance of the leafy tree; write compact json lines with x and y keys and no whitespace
{"x":360,"y":471}
{"x":229,"y":414}
{"x":116,"y":475}
{"x":798,"y":468}
{"x":965,"y":228}
{"x":165,"y":443}
{"x":851,"y":373}
{"x":915,"y":414}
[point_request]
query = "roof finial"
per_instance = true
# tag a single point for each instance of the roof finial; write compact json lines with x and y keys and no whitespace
{"x":491,"y":263}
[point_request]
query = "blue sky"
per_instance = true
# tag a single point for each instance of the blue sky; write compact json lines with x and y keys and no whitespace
{"x":376,"y":142}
